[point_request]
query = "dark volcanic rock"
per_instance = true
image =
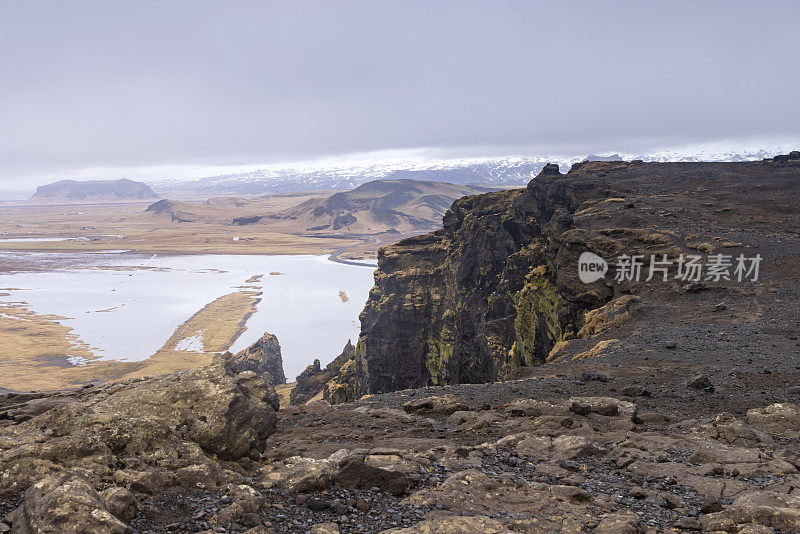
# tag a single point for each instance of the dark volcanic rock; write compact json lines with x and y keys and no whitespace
{"x":355,"y":474}
{"x":589,"y":376}
{"x":313,"y":380}
{"x":479,"y":297}
{"x":701,"y":383}
{"x":263,"y":358}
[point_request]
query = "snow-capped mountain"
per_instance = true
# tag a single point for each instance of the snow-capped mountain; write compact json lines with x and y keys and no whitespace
{"x":507,"y":171}
{"x":347,"y":175}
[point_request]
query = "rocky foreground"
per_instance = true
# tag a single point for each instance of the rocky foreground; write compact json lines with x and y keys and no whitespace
{"x":206,"y":451}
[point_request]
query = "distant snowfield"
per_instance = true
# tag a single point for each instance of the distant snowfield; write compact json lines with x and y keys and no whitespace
{"x":126,"y":306}
{"x":351,"y":170}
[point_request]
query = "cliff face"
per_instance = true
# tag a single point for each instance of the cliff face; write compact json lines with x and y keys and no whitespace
{"x":469,"y":302}
{"x":497,"y":288}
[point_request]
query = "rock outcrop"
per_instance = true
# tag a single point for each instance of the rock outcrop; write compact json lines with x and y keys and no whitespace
{"x":497,"y":289}
{"x":263,"y":358}
{"x":563,"y":451}
{"x":143,"y":435}
{"x":313,"y":380}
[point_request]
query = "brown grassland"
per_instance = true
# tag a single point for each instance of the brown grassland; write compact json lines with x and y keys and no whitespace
{"x":35,"y":347}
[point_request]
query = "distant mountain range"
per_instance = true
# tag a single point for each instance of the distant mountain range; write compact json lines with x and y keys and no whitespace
{"x":498,"y":172}
{"x":396,"y":206}
{"x":93,"y":191}
{"x":503,"y":172}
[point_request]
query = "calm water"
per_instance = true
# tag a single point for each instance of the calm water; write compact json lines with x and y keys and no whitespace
{"x":128,"y":305}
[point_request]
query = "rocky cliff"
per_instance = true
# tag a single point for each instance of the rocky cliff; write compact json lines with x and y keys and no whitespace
{"x":497,"y":288}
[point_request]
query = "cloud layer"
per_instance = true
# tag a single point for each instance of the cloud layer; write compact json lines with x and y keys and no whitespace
{"x":153,"y":83}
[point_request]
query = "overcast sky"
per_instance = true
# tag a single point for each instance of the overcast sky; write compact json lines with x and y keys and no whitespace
{"x":138,"y":83}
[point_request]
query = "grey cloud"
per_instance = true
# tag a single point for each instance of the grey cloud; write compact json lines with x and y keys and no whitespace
{"x":143,"y":83}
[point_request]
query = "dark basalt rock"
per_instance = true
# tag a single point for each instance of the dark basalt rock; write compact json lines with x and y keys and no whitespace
{"x":470,"y":302}
{"x":358,"y":475}
{"x":313,"y":380}
{"x":263,"y":358}
{"x":701,"y":383}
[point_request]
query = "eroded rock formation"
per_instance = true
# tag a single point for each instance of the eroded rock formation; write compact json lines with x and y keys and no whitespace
{"x":312,"y":382}
{"x":263,"y":358}
{"x":660,"y":406}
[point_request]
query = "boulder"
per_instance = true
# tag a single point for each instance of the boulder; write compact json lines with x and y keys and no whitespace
{"x":443,"y":405}
{"x":700,"y":383}
{"x":590,"y":376}
{"x":454,"y":525}
{"x":777,"y":417}
{"x":607,"y":406}
{"x":307,"y":474}
{"x":575,"y":447}
{"x":618,"y":524}
{"x":533,"y":408}
{"x":766,"y":508}
{"x":356,"y":474}
{"x":325,"y":528}
{"x":121,"y":503}
{"x":65,"y":503}
{"x":246,"y":500}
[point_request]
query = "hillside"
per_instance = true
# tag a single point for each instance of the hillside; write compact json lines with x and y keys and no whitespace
{"x":394,"y":205}
{"x":93,"y":191}
{"x":179,"y":212}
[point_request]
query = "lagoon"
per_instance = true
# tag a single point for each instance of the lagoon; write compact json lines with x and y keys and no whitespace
{"x":125,"y":305}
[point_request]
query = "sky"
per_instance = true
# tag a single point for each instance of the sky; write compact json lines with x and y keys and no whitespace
{"x":135,"y":84}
